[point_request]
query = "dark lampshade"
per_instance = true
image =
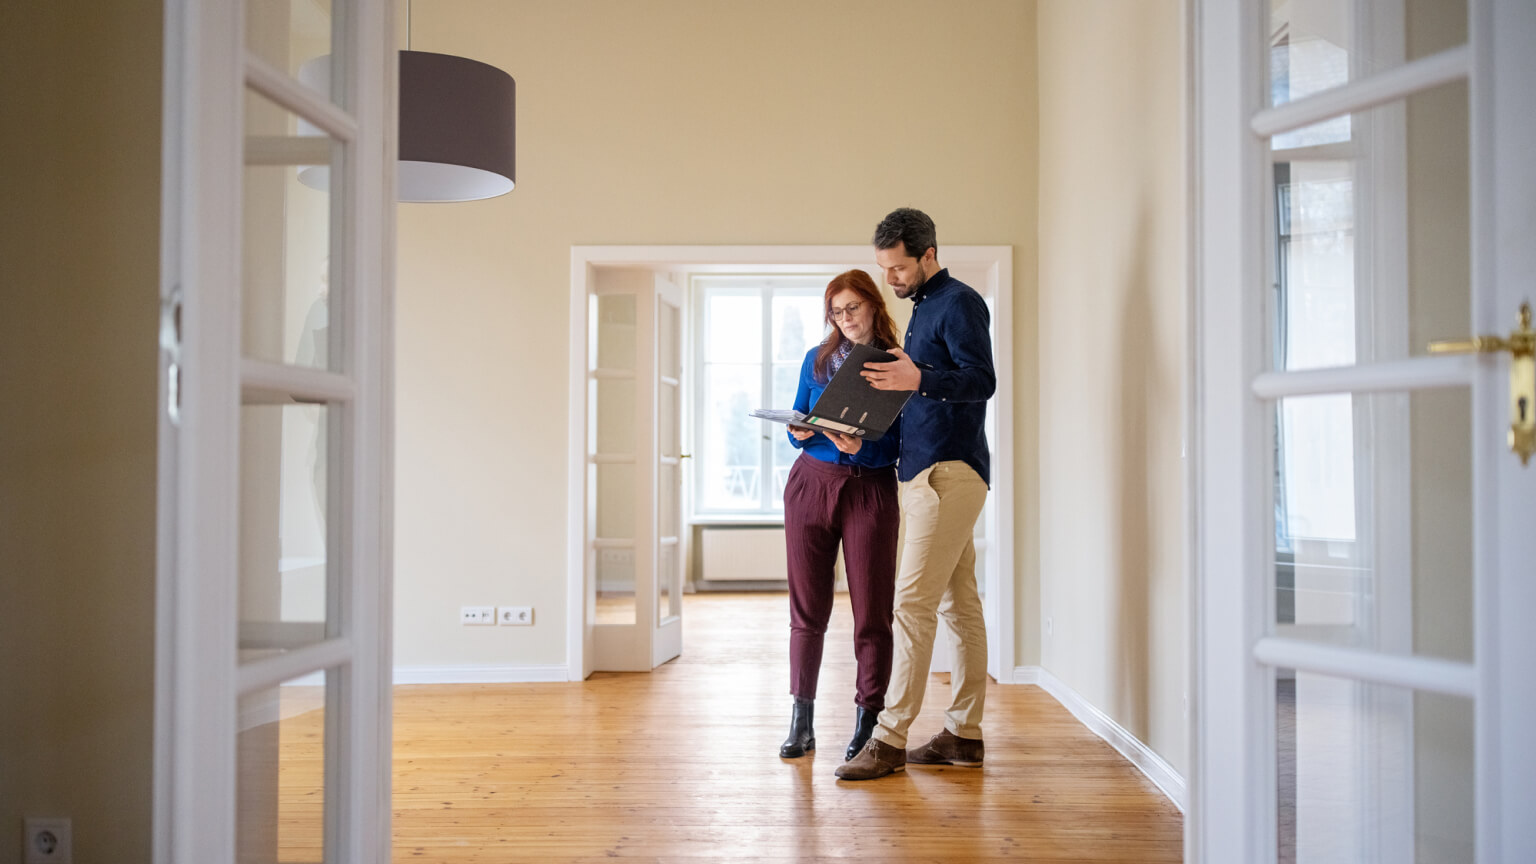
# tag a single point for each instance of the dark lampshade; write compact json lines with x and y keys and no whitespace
{"x":457,"y":128}
{"x":458,"y":123}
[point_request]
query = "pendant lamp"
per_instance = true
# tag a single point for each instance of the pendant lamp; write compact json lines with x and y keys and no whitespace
{"x":457,"y":128}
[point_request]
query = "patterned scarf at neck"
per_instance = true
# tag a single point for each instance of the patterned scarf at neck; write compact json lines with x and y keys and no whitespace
{"x":838,"y":356}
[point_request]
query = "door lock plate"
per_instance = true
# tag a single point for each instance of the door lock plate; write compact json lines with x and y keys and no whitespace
{"x":1521,"y":346}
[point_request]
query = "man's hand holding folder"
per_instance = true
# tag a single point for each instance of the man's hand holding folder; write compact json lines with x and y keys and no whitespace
{"x":899,"y":374}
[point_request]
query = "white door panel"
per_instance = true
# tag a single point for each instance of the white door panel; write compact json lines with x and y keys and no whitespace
{"x":1360,"y":599}
{"x":273,"y":674}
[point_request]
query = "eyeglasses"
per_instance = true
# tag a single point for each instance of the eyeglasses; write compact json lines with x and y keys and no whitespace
{"x":848,"y":311}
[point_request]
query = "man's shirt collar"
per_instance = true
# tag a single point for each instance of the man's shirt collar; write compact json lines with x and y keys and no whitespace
{"x":934,"y":284}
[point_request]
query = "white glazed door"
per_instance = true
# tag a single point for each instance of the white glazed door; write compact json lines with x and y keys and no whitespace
{"x":667,"y":637}
{"x":633,"y":513}
{"x":273,"y":670}
{"x":1362,"y":530}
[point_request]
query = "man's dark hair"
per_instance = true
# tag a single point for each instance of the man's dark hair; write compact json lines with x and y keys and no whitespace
{"x":911,"y":228}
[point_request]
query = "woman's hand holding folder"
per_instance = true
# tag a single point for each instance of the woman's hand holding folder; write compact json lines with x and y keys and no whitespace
{"x":846,"y":443}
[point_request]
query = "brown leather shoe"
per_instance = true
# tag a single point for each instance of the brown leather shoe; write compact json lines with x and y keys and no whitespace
{"x":947,"y":748}
{"x":877,"y":759}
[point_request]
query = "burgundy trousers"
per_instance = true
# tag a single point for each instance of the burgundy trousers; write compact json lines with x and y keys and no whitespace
{"x":826,"y":504}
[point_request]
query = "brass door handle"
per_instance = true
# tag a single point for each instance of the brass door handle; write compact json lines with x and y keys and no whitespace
{"x":1521,"y":346}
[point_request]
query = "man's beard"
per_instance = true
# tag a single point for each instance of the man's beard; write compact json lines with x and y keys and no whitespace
{"x":908,"y":291}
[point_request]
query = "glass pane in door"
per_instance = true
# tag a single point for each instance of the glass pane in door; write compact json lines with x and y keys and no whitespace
{"x":668,"y":601}
{"x":296,"y":37}
{"x":669,"y":380}
{"x":281,"y":760}
{"x":614,"y":421}
{"x":668,"y":529}
{"x":1370,"y":773}
{"x":616,"y":564}
{"x":616,"y":585}
{"x":286,"y":265}
{"x":613,"y":343}
{"x":668,"y":422}
{"x":1373,"y":522}
{"x":287,"y":571}
{"x":668,"y":510}
{"x":1318,"y":46}
{"x":1370,"y":240}
{"x":669,"y":361}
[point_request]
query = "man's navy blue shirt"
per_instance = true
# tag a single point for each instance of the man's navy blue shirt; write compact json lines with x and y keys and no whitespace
{"x":950,"y":335}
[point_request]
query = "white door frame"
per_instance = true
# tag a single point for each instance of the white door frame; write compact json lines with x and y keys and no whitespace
{"x":1232,"y":817}
{"x":198,"y":676}
{"x":994,"y":266}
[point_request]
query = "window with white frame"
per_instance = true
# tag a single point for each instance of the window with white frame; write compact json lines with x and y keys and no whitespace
{"x":751,"y":335}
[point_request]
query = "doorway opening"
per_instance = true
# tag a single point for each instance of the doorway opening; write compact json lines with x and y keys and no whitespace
{"x":726,"y":504}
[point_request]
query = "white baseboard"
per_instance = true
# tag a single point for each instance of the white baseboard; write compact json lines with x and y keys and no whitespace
{"x":1147,"y":762}
{"x":480,"y":674}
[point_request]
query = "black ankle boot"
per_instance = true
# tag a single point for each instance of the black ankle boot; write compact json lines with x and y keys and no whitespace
{"x":802,"y":738}
{"x":863,"y":727}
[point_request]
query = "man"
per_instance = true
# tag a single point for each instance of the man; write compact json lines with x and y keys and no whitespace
{"x":944,"y":468}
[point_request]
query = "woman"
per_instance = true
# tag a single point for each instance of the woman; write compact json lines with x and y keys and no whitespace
{"x":841,"y":488}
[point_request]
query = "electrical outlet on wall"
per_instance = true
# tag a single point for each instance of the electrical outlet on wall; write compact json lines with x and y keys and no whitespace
{"x":479,"y":615}
{"x":46,"y":841}
{"x":514,"y":616}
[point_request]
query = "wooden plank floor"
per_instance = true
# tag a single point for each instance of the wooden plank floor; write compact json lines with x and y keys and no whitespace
{"x":681,"y":764}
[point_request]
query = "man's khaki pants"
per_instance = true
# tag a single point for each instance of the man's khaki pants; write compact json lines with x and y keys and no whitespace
{"x":937,"y":576}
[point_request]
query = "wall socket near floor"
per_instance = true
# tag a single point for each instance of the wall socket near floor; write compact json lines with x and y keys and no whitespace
{"x":477,"y":615}
{"x":46,"y":841}
{"x":514,"y":616}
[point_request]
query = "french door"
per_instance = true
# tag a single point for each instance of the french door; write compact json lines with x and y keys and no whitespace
{"x":630,"y":494}
{"x":1363,"y":538}
{"x":273,"y":702}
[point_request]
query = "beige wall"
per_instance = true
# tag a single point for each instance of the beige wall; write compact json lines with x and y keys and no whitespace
{"x":1112,"y":298}
{"x":668,"y":122}
{"x":79,"y":264}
